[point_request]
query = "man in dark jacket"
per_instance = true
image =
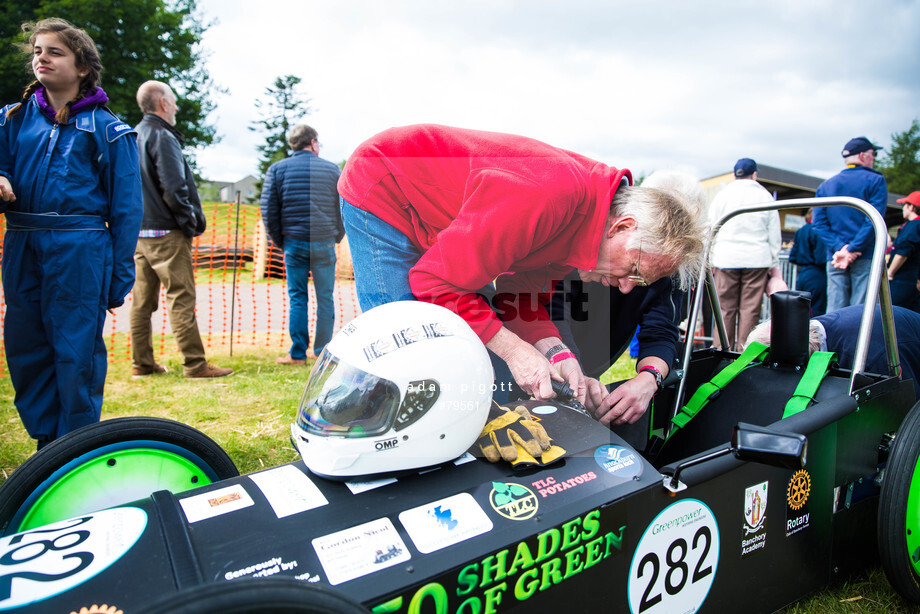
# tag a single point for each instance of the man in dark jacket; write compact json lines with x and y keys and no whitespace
{"x":300,"y":209}
{"x":809,"y":254}
{"x":172,"y":217}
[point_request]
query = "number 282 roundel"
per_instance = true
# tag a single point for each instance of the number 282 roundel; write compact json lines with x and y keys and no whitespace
{"x":676,"y":560}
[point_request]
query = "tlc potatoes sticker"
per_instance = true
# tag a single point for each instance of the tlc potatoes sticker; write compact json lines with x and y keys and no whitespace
{"x":51,"y":560}
{"x":676,"y":560}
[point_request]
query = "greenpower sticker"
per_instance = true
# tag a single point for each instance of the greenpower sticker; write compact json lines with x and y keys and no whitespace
{"x":44,"y":562}
{"x":676,"y":560}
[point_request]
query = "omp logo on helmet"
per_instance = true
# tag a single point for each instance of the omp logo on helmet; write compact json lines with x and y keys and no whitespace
{"x":798,"y":489}
{"x":406,"y":336}
{"x":513,"y":501}
{"x":386,"y":444}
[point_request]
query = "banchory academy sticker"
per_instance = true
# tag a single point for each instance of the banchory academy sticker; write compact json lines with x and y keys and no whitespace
{"x":618,"y":461}
{"x":676,"y":560}
{"x":48,"y":561}
{"x":360,"y":550}
{"x":443,"y":523}
{"x":754,"y":534}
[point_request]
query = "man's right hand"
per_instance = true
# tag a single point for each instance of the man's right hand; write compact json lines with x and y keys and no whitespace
{"x":6,"y":190}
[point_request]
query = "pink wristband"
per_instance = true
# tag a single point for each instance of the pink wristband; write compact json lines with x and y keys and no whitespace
{"x":560,"y":356}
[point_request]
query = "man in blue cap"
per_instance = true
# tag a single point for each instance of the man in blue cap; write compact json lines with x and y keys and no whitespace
{"x":745,"y":254}
{"x":847,"y":232}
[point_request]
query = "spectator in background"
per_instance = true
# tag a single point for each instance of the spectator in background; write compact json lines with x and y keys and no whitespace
{"x":904,"y":257}
{"x":72,"y":196}
{"x":172,"y":217}
{"x":745,"y":254}
{"x":848,"y":232}
{"x":809,"y":254}
{"x":300,"y":209}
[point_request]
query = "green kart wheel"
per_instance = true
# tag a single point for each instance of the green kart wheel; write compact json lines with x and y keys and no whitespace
{"x":899,"y":510}
{"x":108,"y":464}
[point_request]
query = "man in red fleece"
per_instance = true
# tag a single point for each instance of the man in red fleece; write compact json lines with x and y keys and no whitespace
{"x":441,"y":214}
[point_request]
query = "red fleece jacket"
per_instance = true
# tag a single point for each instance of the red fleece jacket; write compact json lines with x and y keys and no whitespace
{"x":484,"y":206}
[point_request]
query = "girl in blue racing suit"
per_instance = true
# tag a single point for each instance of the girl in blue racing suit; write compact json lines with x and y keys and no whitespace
{"x":70,"y":187}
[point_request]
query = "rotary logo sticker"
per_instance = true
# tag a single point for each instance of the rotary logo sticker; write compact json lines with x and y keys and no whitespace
{"x":797,"y":514}
{"x":513,"y":501}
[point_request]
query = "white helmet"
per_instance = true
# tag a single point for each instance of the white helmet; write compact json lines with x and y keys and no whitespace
{"x":403,"y":386}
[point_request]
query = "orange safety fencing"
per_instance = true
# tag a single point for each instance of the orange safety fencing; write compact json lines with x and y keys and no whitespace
{"x":242,"y":294}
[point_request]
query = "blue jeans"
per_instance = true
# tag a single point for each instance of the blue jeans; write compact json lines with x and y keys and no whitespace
{"x":300,"y":258}
{"x":847,"y":287}
{"x":382,"y":257}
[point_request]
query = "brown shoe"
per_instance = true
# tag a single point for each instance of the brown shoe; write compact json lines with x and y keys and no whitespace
{"x":288,"y":360}
{"x":209,"y":370}
{"x":139,"y":372}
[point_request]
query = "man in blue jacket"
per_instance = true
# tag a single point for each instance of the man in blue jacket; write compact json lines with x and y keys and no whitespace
{"x":809,"y":254}
{"x":300,"y":210}
{"x":848,"y":232}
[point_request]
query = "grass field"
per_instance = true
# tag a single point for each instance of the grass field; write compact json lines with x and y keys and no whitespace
{"x":249,"y":414}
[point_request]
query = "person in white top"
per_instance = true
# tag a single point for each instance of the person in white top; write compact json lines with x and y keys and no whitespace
{"x":745,"y":254}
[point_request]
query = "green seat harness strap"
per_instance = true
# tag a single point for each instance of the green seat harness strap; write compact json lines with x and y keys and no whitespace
{"x":754,"y":353}
{"x":818,"y":367}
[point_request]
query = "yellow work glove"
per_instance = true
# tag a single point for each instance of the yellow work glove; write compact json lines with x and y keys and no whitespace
{"x":515,"y":436}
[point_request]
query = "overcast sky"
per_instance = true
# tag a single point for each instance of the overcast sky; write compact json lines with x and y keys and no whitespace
{"x":644,"y":85}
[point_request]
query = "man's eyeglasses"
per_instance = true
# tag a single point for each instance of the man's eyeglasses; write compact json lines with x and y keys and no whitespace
{"x":637,"y":278}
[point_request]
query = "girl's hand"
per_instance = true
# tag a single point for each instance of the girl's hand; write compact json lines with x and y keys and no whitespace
{"x":6,"y":190}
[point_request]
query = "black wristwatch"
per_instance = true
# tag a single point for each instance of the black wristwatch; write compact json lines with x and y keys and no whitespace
{"x":658,"y":377}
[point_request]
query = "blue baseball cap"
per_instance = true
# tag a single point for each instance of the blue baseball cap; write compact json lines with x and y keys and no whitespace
{"x":857,"y":146}
{"x":745,"y":167}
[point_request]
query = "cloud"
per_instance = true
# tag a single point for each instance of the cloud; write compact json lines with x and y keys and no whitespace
{"x":646,"y":85}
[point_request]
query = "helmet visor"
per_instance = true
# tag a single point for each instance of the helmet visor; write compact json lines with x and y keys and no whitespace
{"x":341,"y":400}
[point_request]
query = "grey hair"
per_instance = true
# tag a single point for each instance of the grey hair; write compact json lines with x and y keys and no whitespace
{"x":149,"y":95}
{"x":668,"y":223}
{"x":672,"y":180}
{"x":761,"y":334}
{"x":300,"y":136}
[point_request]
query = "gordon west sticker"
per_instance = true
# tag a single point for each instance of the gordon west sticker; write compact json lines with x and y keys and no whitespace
{"x":513,"y":501}
{"x":676,"y":561}
{"x":360,"y":550}
{"x":53,"y":559}
{"x":797,"y":515}
{"x":289,"y":490}
{"x":215,"y":503}
{"x":443,"y":523}
{"x":618,"y":461}
{"x":754,"y":534}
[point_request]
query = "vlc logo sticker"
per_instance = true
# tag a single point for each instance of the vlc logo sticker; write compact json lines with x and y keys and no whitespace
{"x":513,"y":501}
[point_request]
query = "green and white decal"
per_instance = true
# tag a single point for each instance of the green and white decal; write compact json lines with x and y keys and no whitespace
{"x":676,"y":560}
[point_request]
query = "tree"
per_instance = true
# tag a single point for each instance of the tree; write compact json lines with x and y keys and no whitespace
{"x":137,"y":40}
{"x":279,"y":111}
{"x":901,"y":165}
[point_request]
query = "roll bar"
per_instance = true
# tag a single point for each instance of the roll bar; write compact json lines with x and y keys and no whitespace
{"x":879,"y":291}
